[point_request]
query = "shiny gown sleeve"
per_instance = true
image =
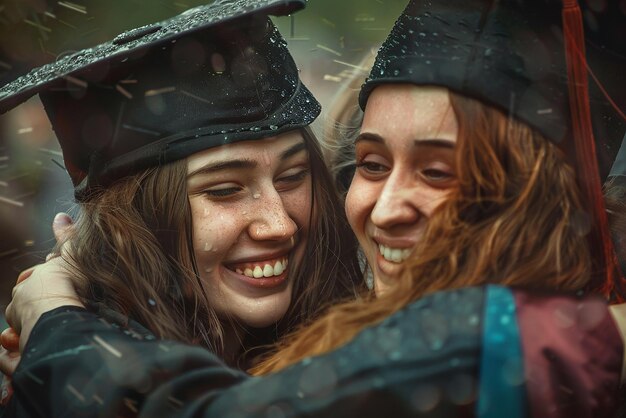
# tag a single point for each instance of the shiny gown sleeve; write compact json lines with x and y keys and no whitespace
{"x":425,"y":360}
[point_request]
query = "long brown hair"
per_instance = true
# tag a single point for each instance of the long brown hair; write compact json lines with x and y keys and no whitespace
{"x":515,"y":218}
{"x":132,"y":252}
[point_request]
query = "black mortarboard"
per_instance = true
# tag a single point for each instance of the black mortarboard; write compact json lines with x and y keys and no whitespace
{"x":214,"y":75}
{"x":508,"y":53}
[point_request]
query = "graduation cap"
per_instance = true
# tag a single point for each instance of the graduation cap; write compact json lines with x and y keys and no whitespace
{"x":526,"y":57}
{"x":213,"y":75}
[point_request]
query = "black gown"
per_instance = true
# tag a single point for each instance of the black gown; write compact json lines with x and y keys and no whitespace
{"x":425,"y":360}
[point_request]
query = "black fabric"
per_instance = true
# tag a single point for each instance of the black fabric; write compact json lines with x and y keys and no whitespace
{"x":215,"y":75}
{"x":76,"y":365}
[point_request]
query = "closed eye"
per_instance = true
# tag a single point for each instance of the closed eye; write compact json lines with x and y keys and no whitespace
{"x":299,"y":176}
{"x":225,"y":192}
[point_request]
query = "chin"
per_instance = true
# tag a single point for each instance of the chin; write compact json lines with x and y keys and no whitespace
{"x":262,"y":319}
{"x":263,"y":312}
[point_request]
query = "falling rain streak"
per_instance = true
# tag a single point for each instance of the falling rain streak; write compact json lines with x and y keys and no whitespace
{"x":73,"y":6}
{"x":107,"y":346}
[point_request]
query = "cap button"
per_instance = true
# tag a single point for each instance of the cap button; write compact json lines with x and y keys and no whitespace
{"x":135,"y":34}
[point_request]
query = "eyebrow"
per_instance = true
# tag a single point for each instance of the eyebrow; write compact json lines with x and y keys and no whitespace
{"x":293,"y":150}
{"x":223,"y":165}
{"x":242,"y":163}
{"x":432,"y":142}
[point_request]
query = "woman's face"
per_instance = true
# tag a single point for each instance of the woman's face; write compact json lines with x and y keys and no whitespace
{"x":250,"y":204}
{"x":405,"y":169}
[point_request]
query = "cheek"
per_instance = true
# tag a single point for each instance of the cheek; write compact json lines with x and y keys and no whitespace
{"x":360,"y":201}
{"x":216,"y":228}
{"x":298,"y":205}
{"x":428,"y":199}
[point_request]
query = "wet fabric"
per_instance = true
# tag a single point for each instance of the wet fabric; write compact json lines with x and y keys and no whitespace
{"x":571,"y":356}
{"x":422,"y":361}
{"x":214,"y":75}
{"x":501,"y":389}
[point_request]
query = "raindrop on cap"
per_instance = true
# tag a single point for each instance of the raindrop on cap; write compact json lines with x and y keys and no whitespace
{"x":133,"y":35}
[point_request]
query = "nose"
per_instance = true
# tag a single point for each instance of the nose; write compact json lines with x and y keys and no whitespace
{"x":271,"y":221}
{"x":397,"y":203}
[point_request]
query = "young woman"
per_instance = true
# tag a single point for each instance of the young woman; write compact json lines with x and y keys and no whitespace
{"x":206,"y":212}
{"x":444,"y":161}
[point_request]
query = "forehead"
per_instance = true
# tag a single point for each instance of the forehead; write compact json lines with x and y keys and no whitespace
{"x":407,"y":110}
{"x":265,"y":149}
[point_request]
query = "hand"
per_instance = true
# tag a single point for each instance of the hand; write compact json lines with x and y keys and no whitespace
{"x":48,"y":286}
{"x":26,"y":307}
{"x":62,"y":227}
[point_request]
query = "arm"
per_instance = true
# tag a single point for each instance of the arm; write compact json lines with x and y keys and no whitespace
{"x":425,"y":357}
{"x":77,"y":365}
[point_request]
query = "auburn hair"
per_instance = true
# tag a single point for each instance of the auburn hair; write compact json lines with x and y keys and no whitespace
{"x":132,"y":253}
{"x":515,"y":219}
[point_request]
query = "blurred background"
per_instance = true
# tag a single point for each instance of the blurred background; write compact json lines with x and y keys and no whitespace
{"x":329,"y":39}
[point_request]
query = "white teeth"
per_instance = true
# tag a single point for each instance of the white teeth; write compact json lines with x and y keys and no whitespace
{"x":278,"y":268}
{"x":257,"y":273}
{"x":395,"y":255}
{"x":264,"y":270}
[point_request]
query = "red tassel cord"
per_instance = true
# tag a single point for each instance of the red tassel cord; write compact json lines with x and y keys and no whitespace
{"x":607,"y":278}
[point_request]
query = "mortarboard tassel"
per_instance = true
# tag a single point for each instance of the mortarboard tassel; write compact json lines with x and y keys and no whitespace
{"x":604,"y":258}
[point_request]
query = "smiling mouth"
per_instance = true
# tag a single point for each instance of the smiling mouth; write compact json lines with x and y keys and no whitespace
{"x":395,"y":255}
{"x":261,"y":269}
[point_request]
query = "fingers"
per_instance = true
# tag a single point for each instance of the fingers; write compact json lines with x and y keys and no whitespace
{"x":9,"y":361}
{"x":10,"y":339}
{"x":25,"y":274}
{"x":62,"y":226}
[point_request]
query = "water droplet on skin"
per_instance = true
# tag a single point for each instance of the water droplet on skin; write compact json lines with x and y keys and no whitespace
{"x":245,"y":212}
{"x":209,"y":270}
{"x":208,"y":246}
{"x":256,"y":195}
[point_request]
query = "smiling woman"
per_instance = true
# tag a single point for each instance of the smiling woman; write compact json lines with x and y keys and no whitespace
{"x":206,"y":212}
{"x":251,"y":204}
{"x":405,"y":158}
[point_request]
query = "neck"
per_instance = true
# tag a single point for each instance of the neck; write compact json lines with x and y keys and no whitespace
{"x":233,"y":343}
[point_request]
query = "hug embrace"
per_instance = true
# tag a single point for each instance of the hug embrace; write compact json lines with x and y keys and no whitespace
{"x":212,"y":245}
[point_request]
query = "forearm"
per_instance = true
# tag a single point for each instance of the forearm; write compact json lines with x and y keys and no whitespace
{"x":76,"y":364}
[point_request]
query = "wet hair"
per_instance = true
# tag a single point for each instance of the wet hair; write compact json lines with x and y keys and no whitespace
{"x":515,"y":219}
{"x":132,"y":253}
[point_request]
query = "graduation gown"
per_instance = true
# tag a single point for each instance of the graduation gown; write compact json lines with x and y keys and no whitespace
{"x":485,"y":352}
